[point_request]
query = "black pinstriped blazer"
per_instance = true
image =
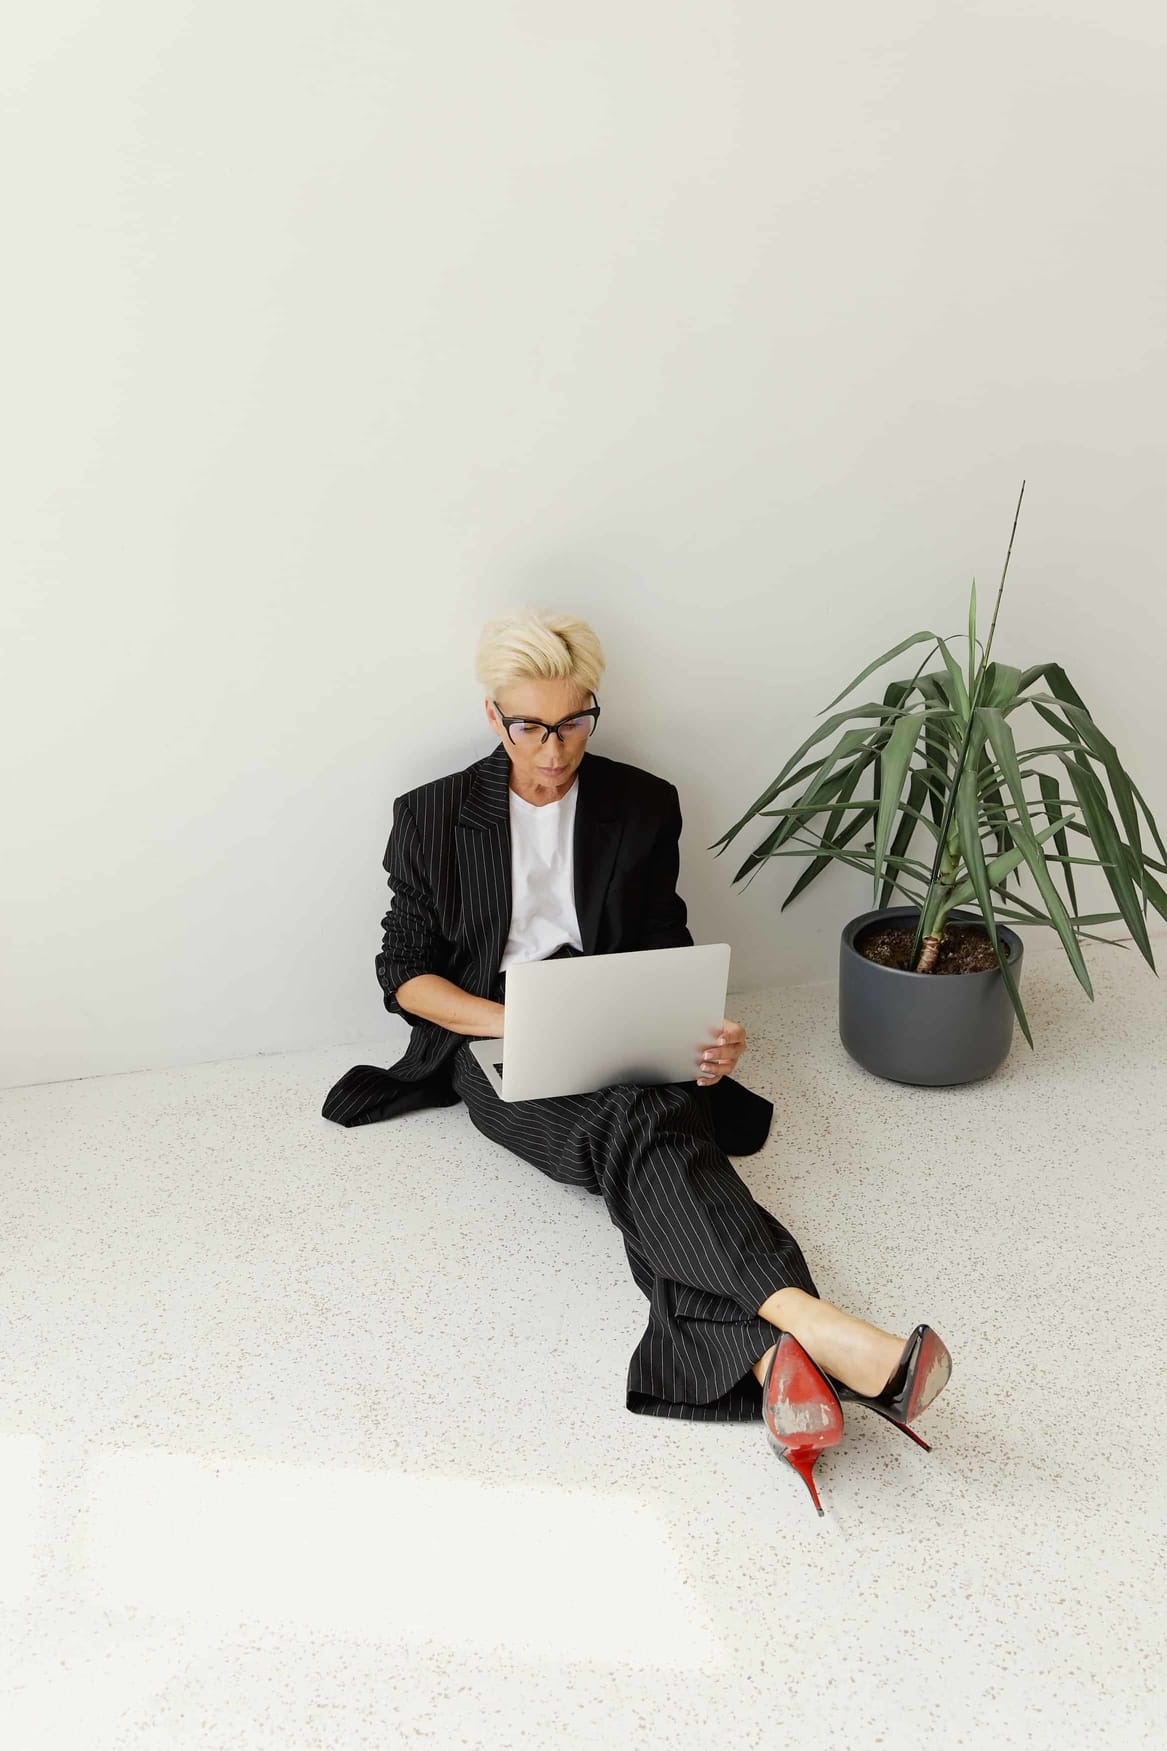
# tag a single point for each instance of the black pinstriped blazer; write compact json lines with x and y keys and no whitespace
{"x":449,"y":865}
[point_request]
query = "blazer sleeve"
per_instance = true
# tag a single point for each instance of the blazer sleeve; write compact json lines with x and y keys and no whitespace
{"x":412,"y":942}
{"x":665,"y":913}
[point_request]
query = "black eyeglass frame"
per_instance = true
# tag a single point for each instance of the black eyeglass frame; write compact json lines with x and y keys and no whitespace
{"x":593,"y":711}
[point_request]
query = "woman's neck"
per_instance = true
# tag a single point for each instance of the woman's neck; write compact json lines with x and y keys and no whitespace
{"x":541,"y":794}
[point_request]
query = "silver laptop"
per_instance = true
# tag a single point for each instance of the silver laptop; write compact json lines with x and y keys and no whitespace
{"x":582,"y":1023}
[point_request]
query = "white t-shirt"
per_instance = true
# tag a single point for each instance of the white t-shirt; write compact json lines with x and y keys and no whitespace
{"x":543,"y":914}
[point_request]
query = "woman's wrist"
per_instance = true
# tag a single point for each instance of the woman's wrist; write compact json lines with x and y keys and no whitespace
{"x":459,"y":1012}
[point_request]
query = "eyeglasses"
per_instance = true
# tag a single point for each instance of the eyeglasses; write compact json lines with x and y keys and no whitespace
{"x":524,"y":731}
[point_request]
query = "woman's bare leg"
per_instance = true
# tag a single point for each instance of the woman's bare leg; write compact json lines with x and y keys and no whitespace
{"x":861,"y":1355}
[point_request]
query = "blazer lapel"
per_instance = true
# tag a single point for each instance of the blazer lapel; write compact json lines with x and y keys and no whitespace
{"x":483,"y":839}
{"x":598,"y":828}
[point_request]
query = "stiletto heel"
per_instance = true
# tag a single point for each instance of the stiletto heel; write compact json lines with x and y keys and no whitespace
{"x":910,"y":1433}
{"x":801,"y":1410}
{"x":920,"y":1376}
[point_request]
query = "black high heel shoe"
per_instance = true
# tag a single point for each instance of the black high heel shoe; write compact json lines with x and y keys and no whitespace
{"x":920,"y":1376}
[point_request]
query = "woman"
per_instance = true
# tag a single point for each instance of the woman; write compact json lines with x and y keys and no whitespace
{"x":545,"y":848}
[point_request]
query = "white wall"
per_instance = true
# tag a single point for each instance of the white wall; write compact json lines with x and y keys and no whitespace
{"x":334,"y":329}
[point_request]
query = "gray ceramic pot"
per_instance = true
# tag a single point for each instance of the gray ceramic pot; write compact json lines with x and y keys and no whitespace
{"x":928,"y":1028}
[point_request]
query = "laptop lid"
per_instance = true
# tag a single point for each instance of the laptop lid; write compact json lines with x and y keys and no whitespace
{"x":575,"y":1025}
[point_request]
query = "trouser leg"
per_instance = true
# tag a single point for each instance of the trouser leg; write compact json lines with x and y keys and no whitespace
{"x":680,"y":1201}
{"x":701,"y":1249}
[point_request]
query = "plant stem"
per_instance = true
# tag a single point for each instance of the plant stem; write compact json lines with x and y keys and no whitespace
{"x":924,"y":962}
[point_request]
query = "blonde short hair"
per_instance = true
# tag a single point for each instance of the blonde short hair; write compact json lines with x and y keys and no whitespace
{"x":536,"y":646}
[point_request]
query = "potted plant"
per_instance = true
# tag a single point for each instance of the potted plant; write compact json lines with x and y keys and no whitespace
{"x":928,"y":991}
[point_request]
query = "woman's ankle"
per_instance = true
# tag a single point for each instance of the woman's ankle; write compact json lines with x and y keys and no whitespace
{"x":860,"y":1355}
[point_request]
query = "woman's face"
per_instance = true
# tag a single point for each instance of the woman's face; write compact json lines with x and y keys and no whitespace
{"x":538,"y":763}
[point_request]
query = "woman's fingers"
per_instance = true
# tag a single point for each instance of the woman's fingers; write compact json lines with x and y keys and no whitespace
{"x":720,"y":1058}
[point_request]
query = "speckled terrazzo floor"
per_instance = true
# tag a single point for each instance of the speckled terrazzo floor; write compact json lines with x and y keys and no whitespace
{"x":316,"y":1438}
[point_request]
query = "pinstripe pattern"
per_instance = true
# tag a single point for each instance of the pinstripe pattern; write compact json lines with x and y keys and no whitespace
{"x":700,"y":1248}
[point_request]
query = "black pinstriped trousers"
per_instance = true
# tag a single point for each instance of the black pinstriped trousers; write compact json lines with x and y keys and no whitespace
{"x":703,"y":1252}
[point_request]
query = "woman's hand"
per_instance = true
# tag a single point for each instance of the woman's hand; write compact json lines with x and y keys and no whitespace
{"x":721,"y":1058}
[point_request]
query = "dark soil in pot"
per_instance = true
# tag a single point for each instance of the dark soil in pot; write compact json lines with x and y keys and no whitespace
{"x":964,"y":948}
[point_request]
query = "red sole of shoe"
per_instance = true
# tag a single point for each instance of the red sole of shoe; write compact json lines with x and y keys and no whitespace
{"x":932,"y":1373}
{"x":799,"y":1406}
